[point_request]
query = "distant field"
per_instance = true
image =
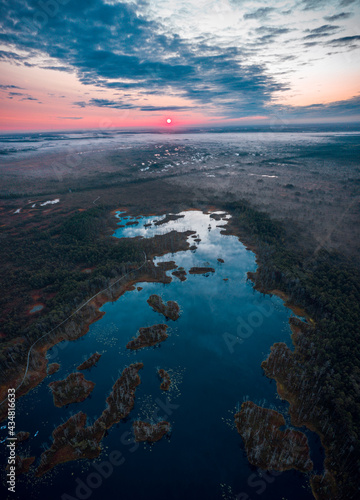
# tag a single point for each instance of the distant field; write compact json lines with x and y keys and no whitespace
{"x":308,"y":179}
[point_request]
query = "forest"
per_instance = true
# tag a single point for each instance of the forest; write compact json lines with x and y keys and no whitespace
{"x":326,"y":361}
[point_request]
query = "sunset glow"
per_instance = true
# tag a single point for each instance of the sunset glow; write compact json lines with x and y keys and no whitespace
{"x":129,"y":64}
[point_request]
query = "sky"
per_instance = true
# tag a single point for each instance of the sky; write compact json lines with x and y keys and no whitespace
{"x":77,"y":64}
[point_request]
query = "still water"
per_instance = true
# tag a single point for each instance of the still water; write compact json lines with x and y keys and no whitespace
{"x":211,"y":375}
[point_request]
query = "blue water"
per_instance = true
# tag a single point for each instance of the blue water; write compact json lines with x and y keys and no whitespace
{"x":36,"y":308}
{"x":213,"y":355}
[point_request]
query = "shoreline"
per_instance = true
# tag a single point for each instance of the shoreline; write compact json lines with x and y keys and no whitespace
{"x":292,"y":398}
{"x":92,"y":313}
{"x":79,"y":326}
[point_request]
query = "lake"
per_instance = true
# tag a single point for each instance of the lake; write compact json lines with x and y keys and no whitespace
{"x":213,"y":355}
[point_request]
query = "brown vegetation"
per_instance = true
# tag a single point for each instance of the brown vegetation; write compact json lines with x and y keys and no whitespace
{"x":89,"y":363}
{"x":149,"y":336}
{"x":170,"y":310}
{"x":73,"y":441}
{"x":166,"y":381}
{"x":74,"y":389}
{"x":150,"y":432}
{"x":266,"y":445}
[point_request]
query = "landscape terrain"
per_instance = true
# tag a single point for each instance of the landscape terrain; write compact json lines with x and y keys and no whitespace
{"x":291,"y":197}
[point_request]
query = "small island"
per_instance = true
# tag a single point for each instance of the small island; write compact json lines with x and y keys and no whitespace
{"x":217,"y":217}
{"x":89,"y":363}
{"x":168,"y":218}
{"x":148,"y":336}
{"x":150,"y":432}
{"x":165,"y":384}
{"x":21,"y":436}
{"x":170,"y":310}
{"x":201,"y":270}
{"x":266,"y":445}
{"x":74,"y":389}
{"x":132,"y":223}
{"x":180,"y":273}
{"x":73,"y":441}
{"x":53,"y":368}
{"x":221,"y":260}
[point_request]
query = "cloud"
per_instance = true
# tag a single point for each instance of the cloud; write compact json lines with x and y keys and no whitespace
{"x":261,"y":13}
{"x":325,"y":28}
{"x":344,"y":41}
{"x":270,"y":33}
{"x":6,"y":87}
{"x":321,"y":31}
{"x":58,"y":68}
{"x":81,"y":104}
{"x":166,"y":108}
{"x":10,"y":56}
{"x":349,"y":107}
{"x":117,"y":48}
{"x":314,"y":4}
{"x":107,"y":103}
{"x":113,"y":47}
{"x":69,"y":117}
{"x":338,"y":17}
{"x":345,"y":3}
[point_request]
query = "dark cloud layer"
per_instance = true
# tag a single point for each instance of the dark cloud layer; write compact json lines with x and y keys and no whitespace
{"x":261,"y":13}
{"x":112,"y":46}
{"x":338,"y":17}
{"x":350,"y":107}
{"x":345,"y":41}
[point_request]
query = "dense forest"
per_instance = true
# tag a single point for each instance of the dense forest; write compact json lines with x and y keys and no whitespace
{"x":326,"y":362}
{"x":62,"y":267}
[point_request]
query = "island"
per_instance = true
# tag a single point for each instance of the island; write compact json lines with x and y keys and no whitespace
{"x":168,"y":218}
{"x":167,"y":266}
{"x":266,"y":445}
{"x":73,"y":441}
{"x":180,"y":273}
{"x":221,"y":260}
{"x":217,"y":217}
{"x":170,"y":310}
{"x":148,"y":337}
{"x":201,"y":270}
{"x":150,"y":432}
{"x":53,"y":368}
{"x":21,"y":436}
{"x":165,"y":384}
{"x":132,"y":223}
{"x":89,"y":363}
{"x":74,"y":389}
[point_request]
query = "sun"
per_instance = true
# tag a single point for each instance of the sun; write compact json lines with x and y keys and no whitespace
{"x":168,"y":121}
